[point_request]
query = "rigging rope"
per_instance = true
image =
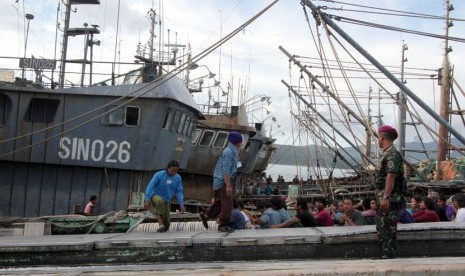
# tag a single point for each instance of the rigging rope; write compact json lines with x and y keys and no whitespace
{"x":319,"y":155}
{"x":412,"y":14}
{"x":393,"y":97}
{"x":391,"y":28}
{"x":321,"y":53}
{"x":292,"y":121}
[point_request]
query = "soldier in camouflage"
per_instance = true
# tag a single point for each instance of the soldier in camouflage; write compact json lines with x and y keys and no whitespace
{"x":389,"y":178}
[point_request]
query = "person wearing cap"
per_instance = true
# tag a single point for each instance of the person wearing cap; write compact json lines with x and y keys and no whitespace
{"x":389,"y":178}
{"x":223,"y":179}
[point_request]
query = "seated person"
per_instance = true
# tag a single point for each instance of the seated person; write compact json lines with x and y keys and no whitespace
{"x":351,"y":217}
{"x":321,"y":215}
{"x":427,"y":211}
{"x":248,"y":217}
{"x":449,"y":210}
{"x":369,"y":210}
{"x":303,"y":218}
{"x":459,"y":205}
{"x":89,"y":210}
{"x":336,"y":212}
{"x":237,"y":218}
{"x":414,"y":204}
{"x":277,"y":205}
{"x":269,"y":216}
{"x":404,"y":216}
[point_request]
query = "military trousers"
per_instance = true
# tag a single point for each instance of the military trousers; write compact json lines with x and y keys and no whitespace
{"x":386,"y":226}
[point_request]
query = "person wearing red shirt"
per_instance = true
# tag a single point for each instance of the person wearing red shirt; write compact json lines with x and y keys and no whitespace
{"x":322,"y":216}
{"x":426,"y":212}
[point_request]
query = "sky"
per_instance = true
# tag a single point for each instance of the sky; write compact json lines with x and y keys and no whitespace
{"x":251,"y":62}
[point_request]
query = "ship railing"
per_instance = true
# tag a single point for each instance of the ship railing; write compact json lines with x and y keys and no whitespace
{"x":12,"y":74}
{"x":217,"y":108}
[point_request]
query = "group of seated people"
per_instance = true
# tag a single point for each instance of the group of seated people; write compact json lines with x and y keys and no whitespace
{"x":273,"y":215}
{"x":434,"y":207}
{"x":431,"y":208}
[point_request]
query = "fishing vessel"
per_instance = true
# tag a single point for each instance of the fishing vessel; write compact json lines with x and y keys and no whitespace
{"x":59,"y":144}
{"x":63,"y":141}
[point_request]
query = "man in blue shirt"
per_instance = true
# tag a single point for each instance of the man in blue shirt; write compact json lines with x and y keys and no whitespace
{"x":269,"y":216}
{"x":277,"y":205}
{"x":162,"y":187}
{"x":223,"y":178}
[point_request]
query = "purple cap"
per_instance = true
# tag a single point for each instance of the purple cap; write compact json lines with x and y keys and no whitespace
{"x":235,"y":138}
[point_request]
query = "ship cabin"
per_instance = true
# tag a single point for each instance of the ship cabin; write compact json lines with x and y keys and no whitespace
{"x":211,"y":137}
{"x":257,"y":152}
{"x":60,"y":146}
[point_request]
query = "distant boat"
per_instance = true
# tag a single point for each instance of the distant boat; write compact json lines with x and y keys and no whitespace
{"x":209,"y":141}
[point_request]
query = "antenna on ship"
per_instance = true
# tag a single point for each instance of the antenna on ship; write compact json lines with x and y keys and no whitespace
{"x":74,"y":32}
{"x":29,"y":17}
{"x":116,"y":46}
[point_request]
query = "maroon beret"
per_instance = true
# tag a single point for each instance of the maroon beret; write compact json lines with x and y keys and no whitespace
{"x":389,"y":129}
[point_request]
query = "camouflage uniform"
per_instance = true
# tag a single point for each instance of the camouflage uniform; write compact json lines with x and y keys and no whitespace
{"x":386,"y":220}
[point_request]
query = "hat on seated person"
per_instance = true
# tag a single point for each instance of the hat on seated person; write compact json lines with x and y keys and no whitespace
{"x":389,"y":129}
{"x":235,"y":138}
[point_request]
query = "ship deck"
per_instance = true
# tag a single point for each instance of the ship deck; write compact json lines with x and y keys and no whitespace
{"x":442,"y":239}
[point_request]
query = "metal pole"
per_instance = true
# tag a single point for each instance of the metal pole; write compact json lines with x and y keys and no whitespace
{"x":65,"y":44}
{"x":326,"y":121}
{"x":368,"y":138}
{"x":29,"y":17}
{"x":84,"y":60}
{"x":91,"y":45}
{"x":402,"y":114}
{"x":55,"y":51}
{"x":388,"y":74}
{"x":444,"y":101}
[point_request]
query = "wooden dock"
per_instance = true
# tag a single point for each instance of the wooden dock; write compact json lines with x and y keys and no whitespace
{"x":450,"y":266}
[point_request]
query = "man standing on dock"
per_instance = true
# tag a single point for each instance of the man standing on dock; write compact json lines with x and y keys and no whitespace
{"x":223,"y":179}
{"x":162,"y":187}
{"x":389,"y":180}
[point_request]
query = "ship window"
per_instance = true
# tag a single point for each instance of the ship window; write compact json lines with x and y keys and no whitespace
{"x":247,"y":146}
{"x":4,"y":109}
{"x":177,"y":117}
{"x":41,"y":110}
{"x":186,"y":126}
{"x":114,"y":117}
{"x":168,"y":119}
{"x":132,"y":116}
{"x":181,"y":123}
{"x":207,"y":138}
{"x":196,"y":136}
{"x":221,"y":139}
{"x":245,"y":140}
{"x":191,"y":129}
